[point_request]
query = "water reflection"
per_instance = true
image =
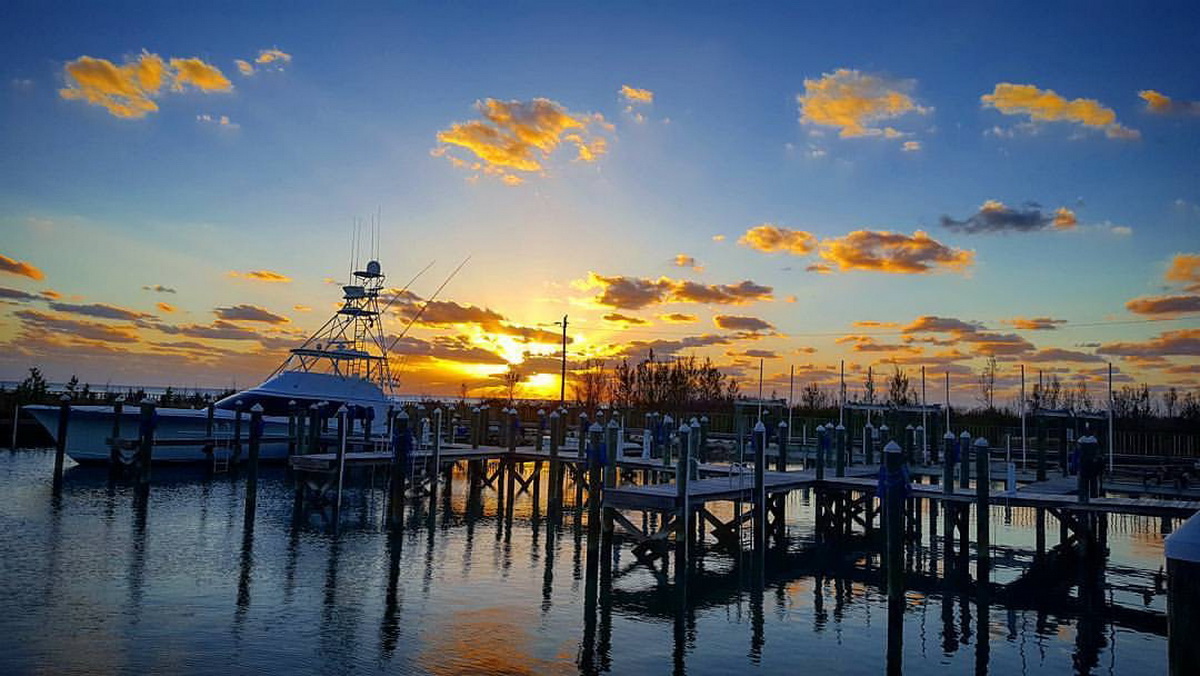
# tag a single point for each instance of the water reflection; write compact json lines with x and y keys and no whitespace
{"x":426,"y":595}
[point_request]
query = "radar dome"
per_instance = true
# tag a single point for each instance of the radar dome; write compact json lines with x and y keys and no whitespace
{"x":373,"y":267}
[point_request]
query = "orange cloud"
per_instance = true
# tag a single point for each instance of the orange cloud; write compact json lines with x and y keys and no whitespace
{"x":635,"y":95}
{"x":273,"y":55}
{"x":249,"y":313}
{"x":1179,"y":342}
{"x":261,"y":276}
{"x":1184,"y":269}
{"x":1034,"y":323}
{"x":128,"y":91}
{"x":21,"y":268}
{"x":679,"y":318}
{"x":164,"y":307}
{"x":742,"y":323}
{"x":995,"y":216}
{"x":1045,"y":105}
{"x":100,"y":310}
{"x":911,"y":146}
{"x":623,"y":319}
{"x":635,"y":293}
{"x":773,"y":238}
{"x":893,"y":252}
{"x":77,"y":328}
{"x":1164,"y":105}
{"x":1054,"y":354}
{"x":684,"y":261}
{"x":853,"y":102}
{"x":871,"y":324}
{"x":1164,"y":305}
{"x":520,"y":136}
{"x":196,"y":73}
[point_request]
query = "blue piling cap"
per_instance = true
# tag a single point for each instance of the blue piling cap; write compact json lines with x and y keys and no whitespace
{"x":554,"y":414}
{"x":257,"y":408}
{"x":595,"y":427}
{"x":612,"y":424}
{"x":1184,"y":543}
{"x":840,"y":428}
{"x":1088,"y":439}
{"x":965,"y":435}
{"x":684,"y":429}
{"x":908,"y":427}
{"x":981,"y":443}
{"x":783,"y":423}
{"x":948,"y":436}
{"x":760,"y":427}
{"x":892,"y":447}
{"x":820,"y":428}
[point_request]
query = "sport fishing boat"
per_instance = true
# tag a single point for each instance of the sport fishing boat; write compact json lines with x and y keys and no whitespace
{"x":344,"y":362}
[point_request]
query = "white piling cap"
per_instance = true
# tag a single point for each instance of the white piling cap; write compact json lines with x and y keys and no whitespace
{"x":908,"y":427}
{"x":1089,"y":439}
{"x":291,"y":402}
{"x":760,"y":427}
{"x":554,"y":414}
{"x":820,"y":429}
{"x":694,"y":421}
{"x":403,"y":415}
{"x":257,"y":408}
{"x":668,"y":420}
{"x":314,"y":406}
{"x":892,"y":447}
{"x":612,"y":424}
{"x":703,"y":419}
{"x":783,"y":423}
{"x":685,"y":429}
{"x":948,"y":436}
{"x":965,"y":435}
{"x":437,"y":411}
{"x":596,"y":428}
{"x":148,"y":400}
{"x":1184,"y":543}
{"x":981,"y":443}
{"x":342,"y":409}
{"x":65,"y":397}
{"x":883,"y":427}
{"x":920,"y":428}
{"x":695,"y":424}
{"x":541,"y":412}
{"x":583,"y":416}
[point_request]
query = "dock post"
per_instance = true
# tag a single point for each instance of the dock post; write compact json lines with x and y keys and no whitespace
{"x":60,"y":443}
{"x":314,"y":428}
{"x":822,"y":442}
{"x":884,"y":437}
{"x":948,"y":462}
{"x":237,"y":432}
{"x":693,"y":464}
{"x":667,"y":425}
{"x":910,"y":440}
{"x":964,"y":459}
{"x":1183,"y":597}
{"x":948,"y":441}
{"x":703,"y":442}
{"x":591,"y":436}
{"x":555,"y":498}
{"x":760,"y":490}
{"x":895,"y":487}
{"x":869,"y":445}
{"x":368,"y":416}
{"x":436,"y":458}
{"x":922,"y":444}
{"x":484,"y":421}
{"x":256,"y":430}
{"x":610,"y":467}
{"x":115,"y":457}
{"x":781,"y":460}
{"x":1041,"y":448}
{"x":209,"y":422}
{"x":541,"y":430}
{"x":840,"y":462}
{"x":514,"y":431}
{"x":475,"y":427}
{"x":1089,"y":468}
{"x":291,"y":428}
{"x":343,"y":420}
{"x":651,"y":432}
{"x":584,"y":430}
{"x":983,"y":463}
{"x":146,"y":440}
{"x":401,"y":442}
{"x":683,"y":514}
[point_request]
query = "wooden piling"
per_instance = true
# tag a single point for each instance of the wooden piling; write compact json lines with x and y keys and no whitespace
{"x":591,"y":439}
{"x":909,"y":443}
{"x":760,"y":492}
{"x":60,"y":443}
{"x":398,"y":470}
{"x":822,"y":442}
{"x":781,"y":460}
{"x":668,"y":426}
{"x":555,"y":497}
{"x":146,"y":440}
{"x":703,"y":442}
{"x":683,"y":515}
{"x":1041,"y":448}
{"x":583,"y":433}
{"x":343,"y":415}
{"x":982,"y":510}
{"x":435,"y":458}
{"x":293,"y":435}
{"x":610,"y":467}
{"x":869,"y":445}
{"x":893,"y":516}
{"x":541,"y":430}
{"x":1183,"y":598}
{"x":116,"y":460}
{"x":237,"y":432}
{"x":840,"y":462}
{"x":964,"y":459}
{"x":256,"y":430}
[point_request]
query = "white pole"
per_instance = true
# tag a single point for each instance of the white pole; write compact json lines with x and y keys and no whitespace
{"x":1110,"y":420}
{"x":947,"y":401}
{"x":842,"y":395}
{"x":760,"y":378}
{"x":924,"y":420}
{"x":1024,"y":443}
{"x":791,"y":403}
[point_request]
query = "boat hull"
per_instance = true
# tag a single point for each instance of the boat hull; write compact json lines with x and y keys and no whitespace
{"x":90,"y":427}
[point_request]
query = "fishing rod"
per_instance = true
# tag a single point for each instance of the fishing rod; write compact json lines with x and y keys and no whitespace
{"x":426,"y":305}
{"x":401,"y":292}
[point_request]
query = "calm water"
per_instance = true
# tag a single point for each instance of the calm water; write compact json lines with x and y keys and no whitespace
{"x":93,"y":582}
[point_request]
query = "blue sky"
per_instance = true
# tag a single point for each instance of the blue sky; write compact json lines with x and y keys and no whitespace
{"x":104,"y":205}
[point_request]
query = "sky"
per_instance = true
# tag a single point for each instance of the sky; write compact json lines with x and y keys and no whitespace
{"x":798,"y":187}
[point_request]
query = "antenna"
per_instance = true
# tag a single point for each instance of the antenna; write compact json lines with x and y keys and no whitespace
{"x":425,"y":305}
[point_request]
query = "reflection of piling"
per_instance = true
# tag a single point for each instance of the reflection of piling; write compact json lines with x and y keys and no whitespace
{"x":60,"y":444}
{"x":256,"y":430}
{"x":146,"y":440}
{"x":895,"y":636}
{"x":1183,"y":597}
{"x":435,"y":459}
{"x":594,"y":479}
{"x":982,"y":510}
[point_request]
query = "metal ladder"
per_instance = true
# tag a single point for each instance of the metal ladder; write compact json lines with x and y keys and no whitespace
{"x":222,"y":450}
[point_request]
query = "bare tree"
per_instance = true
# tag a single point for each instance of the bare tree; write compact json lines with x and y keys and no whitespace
{"x":591,"y":386}
{"x":1170,"y":400}
{"x":987,"y":384}
{"x":813,"y":398}
{"x":512,"y":379}
{"x":900,"y":391}
{"x":869,"y":386}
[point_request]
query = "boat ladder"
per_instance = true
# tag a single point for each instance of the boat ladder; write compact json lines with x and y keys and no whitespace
{"x":222,"y":451}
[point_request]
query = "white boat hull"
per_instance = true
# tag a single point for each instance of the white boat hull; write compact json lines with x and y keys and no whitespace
{"x":90,"y":427}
